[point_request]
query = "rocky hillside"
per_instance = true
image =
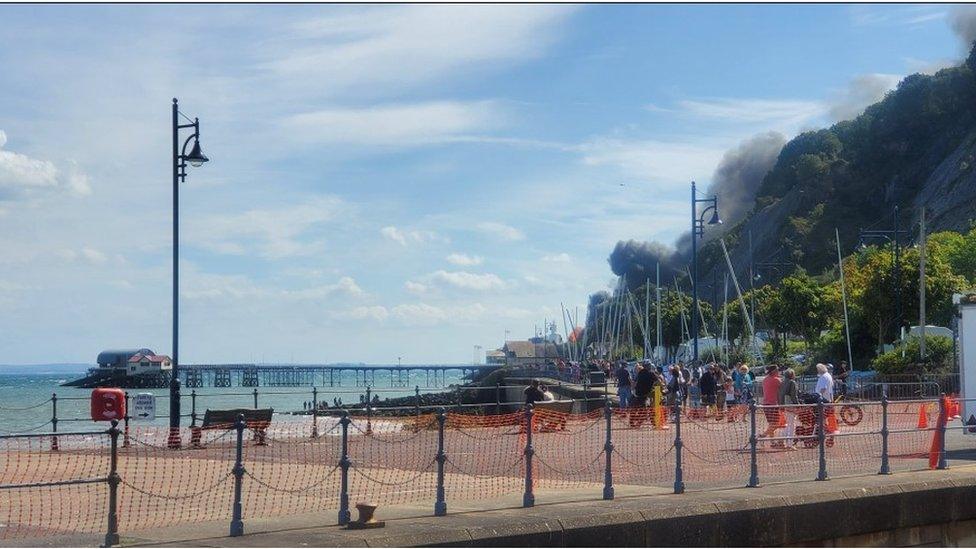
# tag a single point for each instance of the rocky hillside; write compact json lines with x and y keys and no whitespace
{"x":915,"y":148}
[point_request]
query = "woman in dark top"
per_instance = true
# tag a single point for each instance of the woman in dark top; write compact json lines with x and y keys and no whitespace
{"x":534,"y":392}
{"x":708,"y":386}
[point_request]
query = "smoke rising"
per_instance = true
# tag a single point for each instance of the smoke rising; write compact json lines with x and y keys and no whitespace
{"x":962,"y":21}
{"x":862,"y":91}
{"x":735,"y":181}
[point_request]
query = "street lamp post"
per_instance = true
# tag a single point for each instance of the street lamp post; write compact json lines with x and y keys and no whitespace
{"x":181,"y":158}
{"x":891,"y":235}
{"x":698,"y":231}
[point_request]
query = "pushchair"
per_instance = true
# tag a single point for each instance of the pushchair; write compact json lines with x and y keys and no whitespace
{"x":809,"y":425}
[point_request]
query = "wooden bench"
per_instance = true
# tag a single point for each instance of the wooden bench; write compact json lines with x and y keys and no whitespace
{"x":257,"y":420}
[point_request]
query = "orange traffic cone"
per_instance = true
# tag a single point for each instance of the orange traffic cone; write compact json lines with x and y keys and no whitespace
{"x":956,"y":409}
{"x":923,"y":417}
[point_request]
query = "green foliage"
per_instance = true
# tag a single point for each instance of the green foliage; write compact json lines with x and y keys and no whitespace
{"x":938,"y":357}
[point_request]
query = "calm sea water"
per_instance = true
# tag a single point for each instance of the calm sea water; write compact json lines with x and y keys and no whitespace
{"x":25,"y":400}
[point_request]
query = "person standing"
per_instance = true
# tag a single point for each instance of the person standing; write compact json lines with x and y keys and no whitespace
{"x":825,"y":384}
{"x":789,"y":396}
{"x":843,"y":372}
{"x":708,"y":386}
{"x":770,"y":400}
{"x":624,"y":385}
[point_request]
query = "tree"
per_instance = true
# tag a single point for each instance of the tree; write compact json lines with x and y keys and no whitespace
{"x":800,"y":307}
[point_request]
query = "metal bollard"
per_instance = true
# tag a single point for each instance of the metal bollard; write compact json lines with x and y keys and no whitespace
{"x":255,"y":398}
{"x":54,"y":421}
{"x":608,"y":448}
{"x":440,"y":506}
{"x":236,"y":521}
{"x":315,"y":412}
{"x":885,"y":470}
{"x":125,"y":429}
{"x":528,"y":497}
{"x":822,"y":439}
{"x":112,"y":534}
{"x":344,"y":464}
{"x":679,"y":481}
{"x":943,"y":421}
{"x":369,"y":411}
{"x":753,"y":447}
{"x":193,"y":407}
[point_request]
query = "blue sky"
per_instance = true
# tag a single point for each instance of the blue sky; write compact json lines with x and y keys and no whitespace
{"x":387,"y":180}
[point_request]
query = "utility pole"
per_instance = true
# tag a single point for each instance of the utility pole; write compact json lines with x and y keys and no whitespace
{"x":921,"y":286}
{"x":657,"y":313}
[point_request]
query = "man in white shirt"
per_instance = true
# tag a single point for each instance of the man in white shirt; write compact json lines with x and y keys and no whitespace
{"x":825,"y":384}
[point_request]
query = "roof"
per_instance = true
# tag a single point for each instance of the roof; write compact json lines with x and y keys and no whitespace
{"x":521,"y":349}
{"x":119,"y":357}
{"x":151,"y":357}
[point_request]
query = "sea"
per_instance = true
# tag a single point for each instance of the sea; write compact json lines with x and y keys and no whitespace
{"x":26,"y":399}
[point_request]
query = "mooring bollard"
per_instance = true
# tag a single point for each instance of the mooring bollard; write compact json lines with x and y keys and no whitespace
{"x":440,"y":506}
{"x":608,"y":449}
{"x":528,"y":498}
{"x":344,"y":464}
{"x":753,"y":447}
{"x":679,"y":481}
{"x":54,"y":421}
{"x":822,"y":439}
{"x":236,"y":521}
{"x":885,"y":470}
{"x":315,"y":412}
{"x":943,"y":421}
{"x":112,"y":534}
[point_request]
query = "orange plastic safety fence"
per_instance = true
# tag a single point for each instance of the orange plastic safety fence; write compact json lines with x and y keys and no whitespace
{"x":393,"y":460}
{"x":45,"y":511}
{"x":568,"y":450}
{"x":484,"y":456}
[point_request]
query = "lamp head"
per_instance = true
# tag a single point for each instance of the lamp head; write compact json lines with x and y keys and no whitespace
{"x":196,"y":158}
{"x":715,"y":219}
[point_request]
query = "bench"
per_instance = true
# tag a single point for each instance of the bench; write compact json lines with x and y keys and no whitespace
{"x":257,"y":420}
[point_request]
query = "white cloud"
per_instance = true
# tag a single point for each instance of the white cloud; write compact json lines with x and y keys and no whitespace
{"x":661,"y":162}
{"x":86,"y":254}
{"x":500,"y":230}
{"x":465,"y":260}
{"x":21,"y":175}
{"x":861,"y":91}
{"x":373,"y":312}
{"x":271,"y":233}
{"x":405,"y":237}
{"x":415,"y":287}
{"x":467,"y":281}
{"x":557,"y":258}
{"x":888,"y":15}
{"x":397,"y":125}
{"x":754,"y":110}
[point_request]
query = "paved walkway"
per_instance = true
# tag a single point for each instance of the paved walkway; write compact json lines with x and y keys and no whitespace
{"x":550,"y":523}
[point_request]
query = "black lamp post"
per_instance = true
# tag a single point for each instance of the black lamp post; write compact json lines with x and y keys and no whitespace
{"x":698,"y":231}
{"x":893,"y":236}
{"x":181,"y":158}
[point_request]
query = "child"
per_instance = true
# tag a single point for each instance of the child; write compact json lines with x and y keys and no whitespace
{"x":729,"y":399}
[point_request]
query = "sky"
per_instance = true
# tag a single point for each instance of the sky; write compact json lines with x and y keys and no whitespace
{"x":387,"y":181}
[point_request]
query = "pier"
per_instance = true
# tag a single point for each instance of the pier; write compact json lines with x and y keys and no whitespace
{"x":284,"y":375}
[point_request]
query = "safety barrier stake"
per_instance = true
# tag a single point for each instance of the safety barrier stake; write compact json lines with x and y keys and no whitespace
{"x":193,"y":407}
{"x":255,"y":398}
{"x":679,"y":481}
{"x":344,"y":464}
{"x":885,"y":470}
{"x":54,"y":421}
{"x":315,"y":412}
{"x":528,"y":498}
{"x":112,"y":534}
{"x":416,"y":393}
{"x":943,"y":420}
{"x":440,"y":506}
{"x":608,"y":448}
{"x":822,"y":439}
{"x":369,"y":411}
{"x":753,"y":447}
{"x":236,"y":521}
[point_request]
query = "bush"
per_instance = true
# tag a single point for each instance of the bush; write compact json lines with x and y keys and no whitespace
{"x":938,"y":358}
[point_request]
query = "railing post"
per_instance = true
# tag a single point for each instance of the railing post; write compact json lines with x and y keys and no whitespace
{"x":528,"y":497}
{"x":193,"y":408}
{"x":315,"y":412}
{"x":54,"y":421}
{"x":369,"y":411}
{"x":679,"y":481}
{"x":822,"y":439}
{"x":458,"y":391}
{"x":125,"y":429}
{"x":112,"y":534}
{"x":417,"y":400}
{"x":255,"y":398}
{"x":608,"y":449}
{"x":498,"y":397}
{"x":943,"y":421}
{"x":753,"y":447}
{"x":236,"y":521}
{"x":440,"y":506}
{"x":885,"y":470}
{"x":344,"y":464}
